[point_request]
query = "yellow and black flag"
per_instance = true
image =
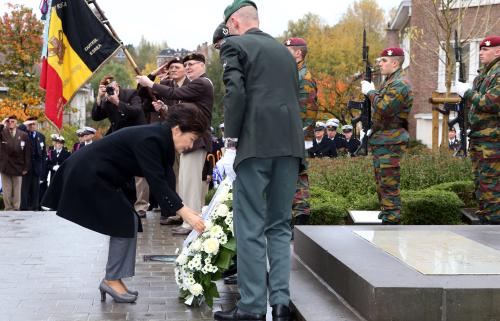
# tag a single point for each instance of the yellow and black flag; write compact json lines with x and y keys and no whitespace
{"x":76,"y":44}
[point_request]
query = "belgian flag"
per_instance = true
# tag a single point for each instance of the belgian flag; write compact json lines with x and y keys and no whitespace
{"x":76,"y":44}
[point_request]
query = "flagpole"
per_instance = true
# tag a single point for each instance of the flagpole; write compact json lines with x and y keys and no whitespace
{"x":105,"y":21}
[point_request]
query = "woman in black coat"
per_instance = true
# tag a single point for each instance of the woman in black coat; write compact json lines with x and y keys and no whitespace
{"x":102,"y":169}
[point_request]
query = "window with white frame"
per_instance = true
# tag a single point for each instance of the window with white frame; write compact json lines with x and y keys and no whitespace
{"x":470,"y":58}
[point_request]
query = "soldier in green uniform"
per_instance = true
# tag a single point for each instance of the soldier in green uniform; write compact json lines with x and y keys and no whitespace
{"x":308,"y":100}
{"x":261,"y":117}
{"x":484,"y":119}
{"x":389,"y":136}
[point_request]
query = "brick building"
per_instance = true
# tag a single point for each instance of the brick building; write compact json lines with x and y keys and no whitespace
{"x":425,"y":69}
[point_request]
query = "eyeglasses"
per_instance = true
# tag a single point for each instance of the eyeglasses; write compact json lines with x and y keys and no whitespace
{"x":191,"y":64}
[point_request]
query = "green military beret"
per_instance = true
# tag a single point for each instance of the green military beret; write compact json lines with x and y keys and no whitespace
{"x":235,"y":6}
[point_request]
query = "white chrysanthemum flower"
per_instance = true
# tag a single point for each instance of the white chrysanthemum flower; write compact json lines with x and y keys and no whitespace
{"x":222,"y":210}
{"x":196,"y":289}
{"x":195,"y":246}
{"x":181,"y":259}
{"x":216,"y":231}
{"x":229,"y":196}
{"x":223,"y":239}
{"x":208,"y":225}
{"x":211,"y":246}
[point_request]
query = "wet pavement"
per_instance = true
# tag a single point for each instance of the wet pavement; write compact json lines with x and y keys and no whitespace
{"x":50,"y":270}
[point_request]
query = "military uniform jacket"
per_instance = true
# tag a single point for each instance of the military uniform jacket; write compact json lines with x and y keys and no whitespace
{"x":484,"y":114}
{"x":353,"y":145}
{"x":199,"y":91}
{"x":15,"y":152}
{"x":308,"y":99}
{"x":325,"y":148}
{"x":261,"y":105}
{"x":391,"y":108}
{"x":87,"y":188}
{"x":128,"y":112}
{"x":54,"y":158}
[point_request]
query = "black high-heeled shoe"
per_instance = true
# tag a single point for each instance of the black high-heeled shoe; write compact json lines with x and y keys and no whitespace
{"x":119,"y":298}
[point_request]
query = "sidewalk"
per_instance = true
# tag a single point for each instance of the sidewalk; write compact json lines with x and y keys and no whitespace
{"x":50,"y":270}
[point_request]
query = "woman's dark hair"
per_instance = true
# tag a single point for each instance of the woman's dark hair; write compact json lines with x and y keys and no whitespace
{"x":189,"y":117}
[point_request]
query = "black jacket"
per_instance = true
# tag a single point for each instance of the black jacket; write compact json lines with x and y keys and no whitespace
{"x":353,"y":145}
{"x":325,"y":148}
{"x":38,"y":151}
{"x":88,"y":187}
{"x":128,"y":112}
{"x":200,"y":92}
{"x":54,"y":159}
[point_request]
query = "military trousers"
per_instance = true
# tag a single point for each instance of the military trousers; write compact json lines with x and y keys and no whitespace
{"x":262,"y":201}
{"x":485,"y":156}
{"x":301,"y":204}
{"x":386,"y":163}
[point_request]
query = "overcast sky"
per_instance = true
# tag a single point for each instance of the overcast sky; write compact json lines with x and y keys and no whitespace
{"x":185,"y":24}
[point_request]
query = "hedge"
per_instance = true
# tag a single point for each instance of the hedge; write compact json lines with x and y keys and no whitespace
{"x":326,"y":207}
{"x":463,"y":189}
{"x":430,"y":206}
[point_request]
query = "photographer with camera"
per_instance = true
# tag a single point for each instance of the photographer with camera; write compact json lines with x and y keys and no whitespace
{"x":123,"y":107}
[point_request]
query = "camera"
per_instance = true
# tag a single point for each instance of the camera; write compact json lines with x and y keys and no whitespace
{"x":110,"y":90}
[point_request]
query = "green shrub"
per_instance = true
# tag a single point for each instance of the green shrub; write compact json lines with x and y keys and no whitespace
{"x":344,"y":176}
{"x":431,"y":206}
{"x":366,"y":202}
{"x":463,"y":189}
{"x":326,"y":207}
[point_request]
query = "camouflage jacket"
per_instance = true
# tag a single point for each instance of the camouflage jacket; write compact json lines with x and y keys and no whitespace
{"x":391,"y":107}
{"x":484,"y":113}
{"x":308,"y":100}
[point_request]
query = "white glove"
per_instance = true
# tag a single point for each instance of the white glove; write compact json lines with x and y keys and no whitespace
{"x":228,"y":162}
{"x":55,"y":168}
{"x":462,"y":87}
{"x":366,"y":86}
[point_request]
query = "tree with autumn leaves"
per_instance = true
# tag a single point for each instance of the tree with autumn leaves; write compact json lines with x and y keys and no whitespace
{"x":334,"y":53}
{"x":20,"y":46}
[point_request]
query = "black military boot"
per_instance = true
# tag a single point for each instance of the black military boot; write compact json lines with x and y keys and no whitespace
{"x":281,"y":312}
{"x":236,"y":314}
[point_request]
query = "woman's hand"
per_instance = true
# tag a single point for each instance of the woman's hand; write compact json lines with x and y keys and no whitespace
{"x":192,"y":218}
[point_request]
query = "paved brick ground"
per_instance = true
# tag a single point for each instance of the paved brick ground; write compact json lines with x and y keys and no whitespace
{"x":50,"y":270}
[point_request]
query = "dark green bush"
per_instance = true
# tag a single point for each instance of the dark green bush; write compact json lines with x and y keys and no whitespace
{"x":344,"y":176}
{"x":366,"y":202}
{"x":463,"y":189}
{"x":430,"y":206}
{"x":326,"y":207}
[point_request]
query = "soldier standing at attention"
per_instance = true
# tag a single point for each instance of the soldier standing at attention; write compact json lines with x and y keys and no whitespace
{"x":391,"y":106}
{"x":308,"y":103}
{"x":484,"y":99}
{"x":262,"y":121}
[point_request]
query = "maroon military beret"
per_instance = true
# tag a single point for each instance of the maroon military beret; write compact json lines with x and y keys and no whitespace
{"x":392,"y":52}
{"x":491,"y":41}
{"x":291,"y":42}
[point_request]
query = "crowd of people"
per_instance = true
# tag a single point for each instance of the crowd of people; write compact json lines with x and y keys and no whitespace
{"x":27,"y":164}
{"x":159,"y":142}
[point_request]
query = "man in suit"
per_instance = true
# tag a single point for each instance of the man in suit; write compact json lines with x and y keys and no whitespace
{"x":199,"y":91}
{"x":123,"y":107}
{"x":30,"y":190}
{"x":15,"y":161}
{"x":262,"y":121}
